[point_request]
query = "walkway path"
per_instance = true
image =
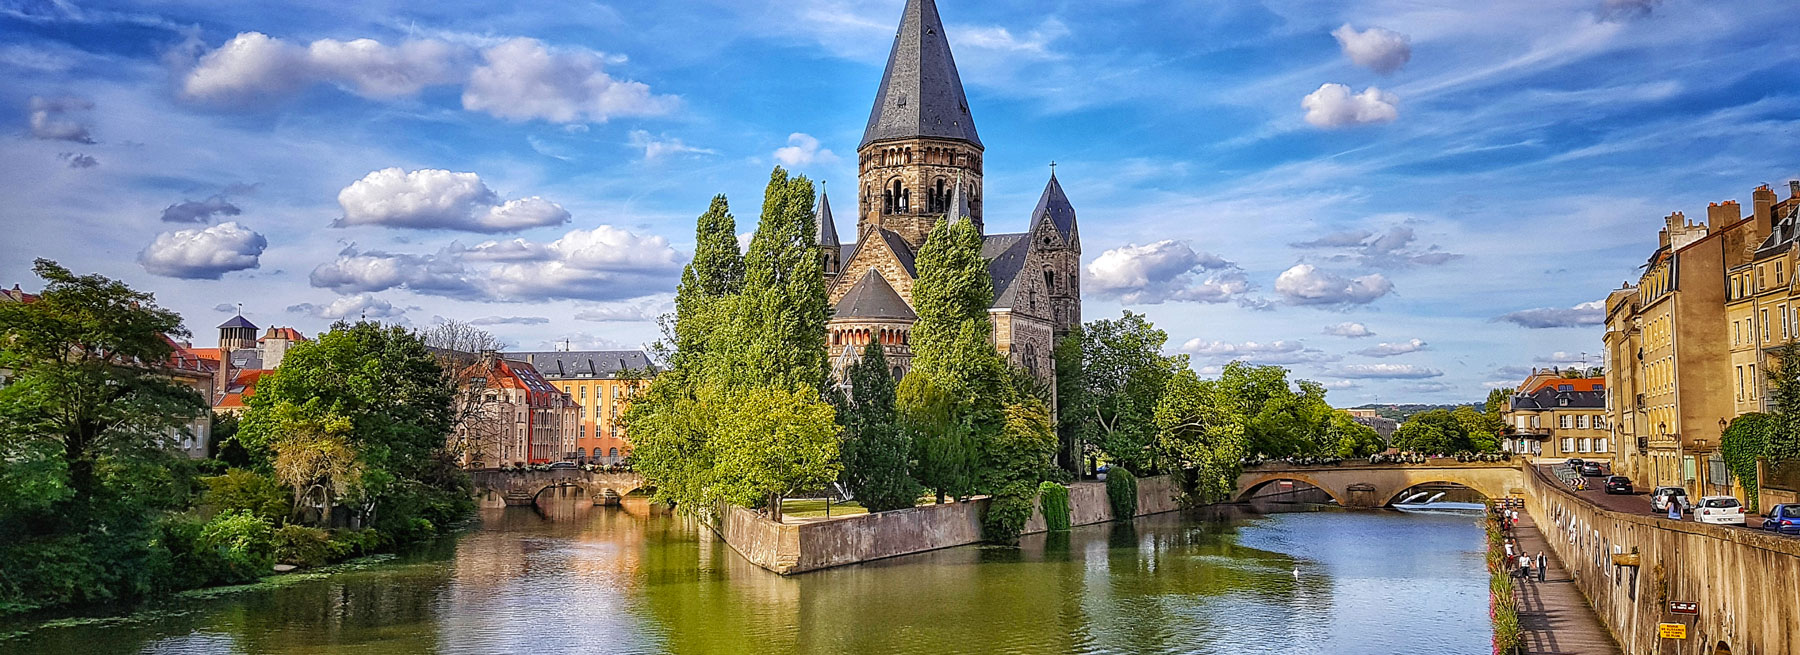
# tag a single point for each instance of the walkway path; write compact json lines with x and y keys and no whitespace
{"x":1555,"y":617}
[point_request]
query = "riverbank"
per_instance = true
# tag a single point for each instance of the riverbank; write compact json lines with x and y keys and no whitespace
{"x":787,"y":548}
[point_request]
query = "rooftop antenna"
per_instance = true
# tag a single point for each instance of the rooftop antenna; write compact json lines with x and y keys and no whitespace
{"x":240,"y":309}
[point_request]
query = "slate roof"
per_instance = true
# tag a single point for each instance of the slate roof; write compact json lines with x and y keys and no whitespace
{"x":1054,"y":206}
{"x":873,"y":297}
{"x":902,"y":250}
{"x":598,"y":364}
{"x":827,"y":228}
{"x":1550,"y":398}
{"x":1782,"y":233}
{"x":237,"y":322}
{"x":1006,"y":257}
{"x":921,"y":94}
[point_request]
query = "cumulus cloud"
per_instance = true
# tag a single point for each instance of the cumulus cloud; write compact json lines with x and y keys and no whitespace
{"x":1583,"y":315}
{"x":1349,"y":329}
{"x":522,"y":79}
{"x":1381,"y":50}
{"x":77,"y":160}
{"x":1386,"y":371}
{"x":510,"y":320}
{"x":1164,"y":271}
{"x":361,"y":305}
{"x":254,"y":67}
{"x":59,"y":119}
{"x":1392,"y":349}
{"x":1392,"y":248}
{"x":648,"y":309}
{"x":1306,"y":285}
{"x":204,"y":253}
{"x":604,"y":263}
{"x":802,"y":150}
{"x":1257,"y":352}
{"x":433,"y":199}
{"x":657,"y":148}
{"x":200,"y":211}
{"x":1334,"y":105}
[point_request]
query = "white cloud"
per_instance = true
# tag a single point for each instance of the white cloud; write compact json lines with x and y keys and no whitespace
{"x":604,"y":263}
{"x":648,"y":309}
{"x":1392,"y":248}
{"x":1386,"y":371}
{"x":1392,"y":349}
{"x":1034,"y":44}
{"x":78,"y":160}
{"x":1349,"y":329}
{"x":1257,"y":352}
{"x":439,"y":199}
{"x":584,"y":341}
{"x":1305,"y":285}
{"x":522,"y":79}
{"x":802,"y":150}
{"x":510,"y":320}
{"x":1164,"y":271}
{"x":1583,"y":315}
{"x":254,"y":67}
{"x":200,"y":211}
{"x":55,"y":119}
{"x":1333,"y":105}
{"x":1381,"y":50}
{"x":361,"y":305}
{"x":1564,"y":358}
{"x":657,"y":148}
{"x":204,"y":253}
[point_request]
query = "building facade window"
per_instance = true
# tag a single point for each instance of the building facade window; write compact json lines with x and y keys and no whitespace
{"x":1565,"y":421}
{"x":1581,"y":422}
{"x":1568,"y":444}
{"x":1600,"y":445}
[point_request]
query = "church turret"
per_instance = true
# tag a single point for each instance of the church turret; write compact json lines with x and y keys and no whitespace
{"x":830,"y":250}
{"x":1054,"y":228}
{"x":920,"y":138}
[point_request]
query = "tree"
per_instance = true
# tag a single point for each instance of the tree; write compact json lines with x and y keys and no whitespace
{"x":382,"y":389}
{"x":474,"y":422}
{"x":1123,"y":372}
{"x":1498,"y":401}
{"x":777,"y":333}
{"x":771,"y":442}
{"x":1278,"y":421}
{"x":1444,"y":432}
{"x":1783,"y":373}
{"x":1354,"y":440}
{"x":716,"y":271}
{"x":876,"y":451}
{"x":313,"y":456}
{"x":1071,"y":402}
{"x":945,"y":448}
{"x":1200,"y":427}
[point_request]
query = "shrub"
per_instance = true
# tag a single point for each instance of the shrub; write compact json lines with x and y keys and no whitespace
{"x":243,"y":543}
{"x":1053,"y":498}
{"x":303,"y":546}
{"x":1007,"y":512}
{"x":1121,"y":492}
{"x":239,"y":489}
{"x":356,"y":542}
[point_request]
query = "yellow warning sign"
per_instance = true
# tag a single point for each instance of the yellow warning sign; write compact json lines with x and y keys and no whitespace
{"x":1671,"y":630}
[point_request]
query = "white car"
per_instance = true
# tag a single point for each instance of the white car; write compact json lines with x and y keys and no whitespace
{"x":1719,"y":509}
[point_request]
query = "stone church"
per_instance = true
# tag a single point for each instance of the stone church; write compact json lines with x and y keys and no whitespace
{"x":919,"y":162}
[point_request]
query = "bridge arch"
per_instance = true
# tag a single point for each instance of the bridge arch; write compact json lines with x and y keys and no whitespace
{"x":1401,"y":494}
{"x":1249,"y":483}
{"x":507,"y":488}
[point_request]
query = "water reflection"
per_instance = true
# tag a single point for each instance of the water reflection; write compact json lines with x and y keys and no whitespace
{"x":585,"y":579}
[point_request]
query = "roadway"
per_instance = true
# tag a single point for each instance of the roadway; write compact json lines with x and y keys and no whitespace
{"x":1636,"y":502}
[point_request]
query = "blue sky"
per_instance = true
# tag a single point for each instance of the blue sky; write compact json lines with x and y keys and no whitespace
{"x":1407,"y":200}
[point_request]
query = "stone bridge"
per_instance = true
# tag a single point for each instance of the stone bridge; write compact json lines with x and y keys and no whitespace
{"x":1354,"y":484}
{"x":497,"y":488}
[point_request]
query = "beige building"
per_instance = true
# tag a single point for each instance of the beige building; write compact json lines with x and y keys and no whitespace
{"x":601,"y":382}
{"x":523,"y":418}
{"x":1559,"y":418}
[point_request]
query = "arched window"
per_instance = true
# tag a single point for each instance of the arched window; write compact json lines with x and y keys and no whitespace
{"x":905,"y":200}
{"x":939,"y":201}
{"x":1050,"y":280}
{"x":898,"y":373}
{"x":612,"y":453}
{"x":895,"y":203}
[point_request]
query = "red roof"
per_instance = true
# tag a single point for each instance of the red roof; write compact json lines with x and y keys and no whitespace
{"x":184,"y":359}
{"x":288,"y":333}
{"x":1579,"y":384}
{"x":241,"y":388}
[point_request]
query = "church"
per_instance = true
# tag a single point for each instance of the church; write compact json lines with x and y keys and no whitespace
{"x":920,"y":162}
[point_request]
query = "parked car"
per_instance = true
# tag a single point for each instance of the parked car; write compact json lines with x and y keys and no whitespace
{"x":1574,"y":463}
{"x":1719,"y":509}
{"x":1784,"y":519}
{"x":1592,"y":469}
{"x":1659,"y":498}
{"x":1618,"y":484}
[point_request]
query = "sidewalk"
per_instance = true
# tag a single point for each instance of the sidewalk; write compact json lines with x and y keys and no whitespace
{"x":1555,"y":618}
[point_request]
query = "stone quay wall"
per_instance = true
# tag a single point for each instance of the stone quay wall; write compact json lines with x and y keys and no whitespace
{"x":789,"y":548}
{"x":1746,"y":582}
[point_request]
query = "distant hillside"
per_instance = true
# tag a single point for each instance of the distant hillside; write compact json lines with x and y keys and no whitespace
{"x":1400,"y":412}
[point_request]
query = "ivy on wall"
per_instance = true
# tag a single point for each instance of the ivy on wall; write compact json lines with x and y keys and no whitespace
{"x":1744,"y":441}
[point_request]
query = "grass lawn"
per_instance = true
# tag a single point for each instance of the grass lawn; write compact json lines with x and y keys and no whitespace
{"x":802,"y":508}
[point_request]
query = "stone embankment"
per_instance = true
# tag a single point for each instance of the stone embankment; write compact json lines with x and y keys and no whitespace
{"x":1745,"y":583}
{"x":788,"y":548}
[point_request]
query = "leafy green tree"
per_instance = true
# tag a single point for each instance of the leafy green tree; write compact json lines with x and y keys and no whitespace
{"x":1783,"y":373}
{"x":1123,"y":372}
{"x":1354,"y":439}
{"x":250,"y":491}
{"x":717,"y":271}
{"x":945,"y":447}
{"x":1278,"y":421}
{"x":778,"y":322}
{"x":771,"y":442}
{"x":876,"y":451}
{"x":382,"y":390}
{"x":1200,"y":427}
{"x":1445,"y":432}
{"x":1498,"y":401}
{"x":1071,"y":402}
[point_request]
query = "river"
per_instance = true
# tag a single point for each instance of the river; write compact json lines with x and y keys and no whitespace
{"x":630,"y":580}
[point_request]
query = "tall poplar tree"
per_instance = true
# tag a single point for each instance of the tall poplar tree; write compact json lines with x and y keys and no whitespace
{"x":716,"y":273}
{"x":779,"y":335}
{"x":876,"y":452}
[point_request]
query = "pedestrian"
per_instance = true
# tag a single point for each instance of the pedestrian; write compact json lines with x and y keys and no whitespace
{"x":1524,"y":566}
{"x":1509,"y":549}
{"x":1542,"y":564}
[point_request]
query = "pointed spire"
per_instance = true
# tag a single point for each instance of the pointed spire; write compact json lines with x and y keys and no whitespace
{"x":959,"y":202}
{"x":1054,"y":206}
{"x":827,"y":227}
{"x":921,"y":93}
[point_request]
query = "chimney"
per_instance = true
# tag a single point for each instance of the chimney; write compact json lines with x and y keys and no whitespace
{"x":1721,"y":214}
{"x":1793,"y":190}
{"x":1762,"y":208}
